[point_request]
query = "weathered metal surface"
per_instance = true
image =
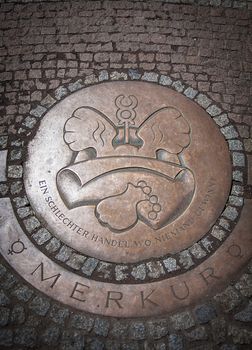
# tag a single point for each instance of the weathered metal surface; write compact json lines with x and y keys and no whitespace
{"x":120,"y":300}
{"x":125,"y":171}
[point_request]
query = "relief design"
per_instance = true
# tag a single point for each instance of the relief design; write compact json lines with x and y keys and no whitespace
{"x":129,"y":173}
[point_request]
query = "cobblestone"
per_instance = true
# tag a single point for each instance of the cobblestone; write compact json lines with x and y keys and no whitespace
{"x":41,"y":236}
{"x":4,"y":316}
{"x":25,"y":336}
{"x":39,"y":305}
{"x":139,"y":272}
{"x":15,"y":171}
{"x":157,"y":329}
{"x":6,"y":337}
{"x":229,"y":132}
{"x":89,"y":266}
{"x":183,"y":320}
{"x":82,"y":322}
{"x":204,"y":313}
{"x":228,"y":299}
{"x":72,"y":341}
{"x":64,"y":253}
{"x":17,"y":315}
{"x":137,"y":330}
{"x":245,"y":285}
{"x":101,"y":327}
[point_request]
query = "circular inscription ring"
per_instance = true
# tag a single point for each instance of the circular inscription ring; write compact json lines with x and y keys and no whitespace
{"x":126,"y":171}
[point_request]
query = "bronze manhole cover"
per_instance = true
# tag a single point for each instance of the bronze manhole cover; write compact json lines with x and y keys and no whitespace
{"x":127,"y":171}
{"x":128,"y":180}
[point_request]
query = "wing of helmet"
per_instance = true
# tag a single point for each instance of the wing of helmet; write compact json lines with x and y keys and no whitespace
{"x":165,"y":129}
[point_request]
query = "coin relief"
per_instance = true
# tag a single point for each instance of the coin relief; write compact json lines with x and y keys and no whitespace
{"x":123,"y":171}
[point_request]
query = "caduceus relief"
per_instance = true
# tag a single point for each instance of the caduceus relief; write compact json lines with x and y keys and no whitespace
{"x":128,"y":173}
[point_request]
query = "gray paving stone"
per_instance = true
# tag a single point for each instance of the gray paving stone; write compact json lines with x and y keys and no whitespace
{"x":245,"y":285}
{"x":75,"y":86}
{"x":178,"y":86}
{"x":198,"y":333}
{"x":23,"y":293}
{"x":4,"y":300}
{"x":76,"y":261}
{"x":17,"y":315}
{"x":9,"y":282}
{"x":119,"y":329}
{"x":72,"y":341}
{"x":64,"y":253}
{"x":238,"y":176}
{"x":139,"y":272}
{"x":16,"y":187}
{"x":235,"y":145}
{"x":4,"y":316}
{"x":230,"y":213}
{"x":38,"y":111}
{"x":155,"y":269}
{"x":171,"y":264}
{"x":59,"y":314}
{"x":175,"y":342}
{"x":31,"y":223}
{"x":238,"y":159}
{"x":134,"y":74}
{"x":237,"y":190}
{"x":121,"y":272}
{"x":218,"y":233}
{"x":101,"y":327}
{"x":6,"y":337}
{"x":213,"y":110}
{"x":29,"y":122}
{"x":130,"y":346}
{"x":203,"y":100}
{"x":221,"y":120}
{"x":82,"y":322}
{"x":224,"y":223}
{"x":219,"y":330}
{"x":229,"y":132}
{"x":91,"y":79}
{"x":185,"y":259}
{"x":237,"y":201}
{"x":190,"y":92}
{"x":40,"y":305}
{"x":21,"y":201}
{"x":103,"y":75}
{"x":183,"y":320}
{"x":3,"y":141}
{"x":104,"y":269}
{"x":61,"y":92}
{"x":4,"y":189}
{"x":240,"y":335}
{"x":228,"y":299}
{"x":89,"y":266}
{"x":204,"y":313}
{"x":16,"y":154}
{"x":48,"y":101}
{"x":41,"y":236}
{"x":53,"y":245}
{"x":50,"y":335}
{"x":137,"y":330}
{"x":15,"y":171}
{"x":164,"y":80}
{"x":157,"y":329}
{"x":25,"y":336}
{"x":97,"y":345}
{"x":245,"y":315}
{"x":2,"y":270}
{"x":150,"y":76}
{"x":197,"y":251}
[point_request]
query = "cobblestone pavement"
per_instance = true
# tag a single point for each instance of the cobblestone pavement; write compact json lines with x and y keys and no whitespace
{"x":49,"y":49}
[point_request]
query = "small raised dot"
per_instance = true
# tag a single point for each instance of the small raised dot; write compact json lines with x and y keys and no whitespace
{"x":152,"y":215}
{"x":156,"y":208}
{"x":147,"y":190}
{"x":153,"y":199}
{"x":141,"y":183}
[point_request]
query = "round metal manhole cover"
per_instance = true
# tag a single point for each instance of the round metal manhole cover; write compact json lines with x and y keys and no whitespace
{"x":127,"y":171}
{"x":129,"y":180}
